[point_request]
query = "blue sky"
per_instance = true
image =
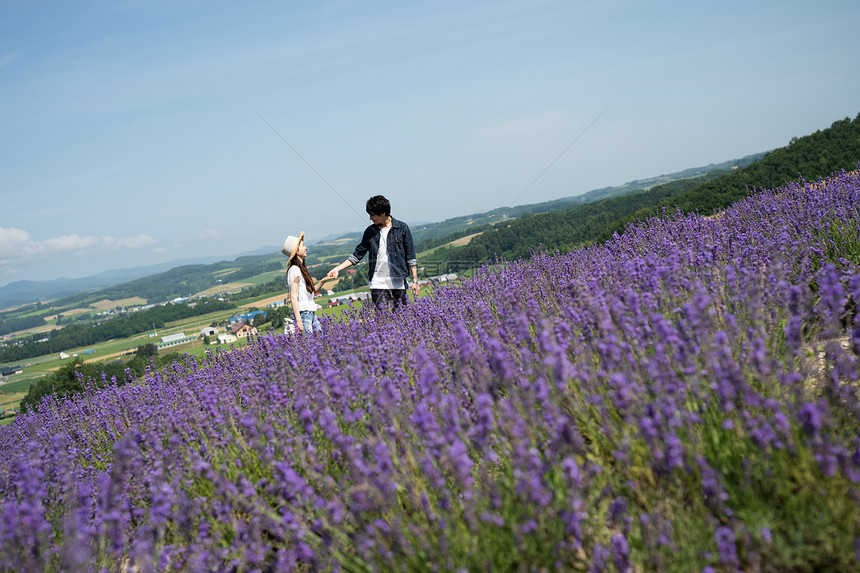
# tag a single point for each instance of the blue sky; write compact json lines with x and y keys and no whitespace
{"x":135,"y":132}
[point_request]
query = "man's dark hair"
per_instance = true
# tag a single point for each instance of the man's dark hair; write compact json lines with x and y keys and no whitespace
{"x":378,"y":205}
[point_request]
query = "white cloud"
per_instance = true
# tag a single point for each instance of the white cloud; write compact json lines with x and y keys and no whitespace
{"x":17,"y":244}
{"x":68,"y":243}
{"x":11,"y":240}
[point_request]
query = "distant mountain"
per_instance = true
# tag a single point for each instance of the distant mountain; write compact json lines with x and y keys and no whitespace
{"x":460,"y":225}
{"x":25,"y":292}
{"x":332,"y":237}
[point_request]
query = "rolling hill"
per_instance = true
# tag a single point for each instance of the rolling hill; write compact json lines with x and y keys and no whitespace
{"x":508,"y":232}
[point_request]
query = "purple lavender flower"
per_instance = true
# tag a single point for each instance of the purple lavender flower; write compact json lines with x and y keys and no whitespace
{"x":725,"y":539}
{"x":599,"y":559}
{"x":518,"y":399}
{"x":620,"y":553}
{"x":810,"y":418}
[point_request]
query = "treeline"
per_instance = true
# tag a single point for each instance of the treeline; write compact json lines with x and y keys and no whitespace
{"x":812,"y":157}
{"x":22,"y":323}
{"x":563,"y":230}
{"x":123,"y":326}
{"x":75,"y":374}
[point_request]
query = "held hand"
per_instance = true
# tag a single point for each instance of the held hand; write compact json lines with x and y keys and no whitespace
{"x":332,"y":274}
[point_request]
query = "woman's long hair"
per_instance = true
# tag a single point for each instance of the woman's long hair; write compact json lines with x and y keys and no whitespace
{"x":309,"y":282}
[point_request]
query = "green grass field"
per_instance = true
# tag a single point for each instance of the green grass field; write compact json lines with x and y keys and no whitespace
{"x":263,"y":278}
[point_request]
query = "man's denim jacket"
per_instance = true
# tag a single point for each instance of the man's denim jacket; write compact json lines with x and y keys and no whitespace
{"x":401,"y":250}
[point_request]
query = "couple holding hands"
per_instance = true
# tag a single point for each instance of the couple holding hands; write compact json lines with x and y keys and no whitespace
{"x":392,"y":259}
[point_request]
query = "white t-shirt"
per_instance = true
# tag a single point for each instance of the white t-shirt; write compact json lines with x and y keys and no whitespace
{"x":306,"y":299}
{"x":382,"y":273}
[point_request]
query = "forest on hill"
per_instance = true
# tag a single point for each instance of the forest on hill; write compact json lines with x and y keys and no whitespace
{"x":810,"y":158}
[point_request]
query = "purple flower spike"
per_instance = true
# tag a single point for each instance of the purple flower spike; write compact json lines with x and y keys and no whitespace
{"x":810,"y":417}
{"x":725,"y":539}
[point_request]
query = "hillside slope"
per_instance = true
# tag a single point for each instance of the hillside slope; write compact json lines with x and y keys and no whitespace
{"x":681,"y":398}
{"x":811,"y":157}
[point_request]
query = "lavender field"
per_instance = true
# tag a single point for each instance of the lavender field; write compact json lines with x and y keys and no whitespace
{"x":682,"y":398}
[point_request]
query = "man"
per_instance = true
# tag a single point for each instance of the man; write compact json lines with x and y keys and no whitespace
{"x":392,"y":256}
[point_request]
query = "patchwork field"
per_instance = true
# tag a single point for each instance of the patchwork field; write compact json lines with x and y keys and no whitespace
{"x":101,"y":305}
{"x":107,"y":304}
{"x":226,"y":287}
{"x":463,"y":240}
{"x":10,"y":401}
{"x":72,"y":312}
{"x":266,"y":301}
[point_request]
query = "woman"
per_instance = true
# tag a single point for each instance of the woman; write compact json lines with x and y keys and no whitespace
{"x":301,"y":285}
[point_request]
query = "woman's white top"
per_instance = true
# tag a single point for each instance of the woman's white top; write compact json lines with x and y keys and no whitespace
{"x":382,"y":273}
{"x":306,"y":299}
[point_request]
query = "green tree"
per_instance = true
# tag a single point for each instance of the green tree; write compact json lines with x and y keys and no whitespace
{"x":260,"y":319}
{"x":147,"y":350}
{"x":75,"y":375}
{"x":276,"y":316}
{"x":68,"y":379}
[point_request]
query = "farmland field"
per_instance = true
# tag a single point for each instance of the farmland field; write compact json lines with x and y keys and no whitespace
{"x":455,"y":243}
{"x":107,"y":304}
{"x":263,"y":303}
{"x":463,"y":240}
{"x":224,"y":288}
{"x":265,"y":277}
{"x":70,"y":312}
{"x":225,"y":272}
{"x":237,"y":286}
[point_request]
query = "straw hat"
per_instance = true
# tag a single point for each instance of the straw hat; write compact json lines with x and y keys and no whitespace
{"x":291,"y":245}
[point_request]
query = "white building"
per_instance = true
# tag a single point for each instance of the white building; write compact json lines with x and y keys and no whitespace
{"x":208,"y":331}
{"x":226,"y":338}
{"x":348,"y":298}
{"x":172,"y":337}
{"x":174,"y":340}
{"x":444,"y":278}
